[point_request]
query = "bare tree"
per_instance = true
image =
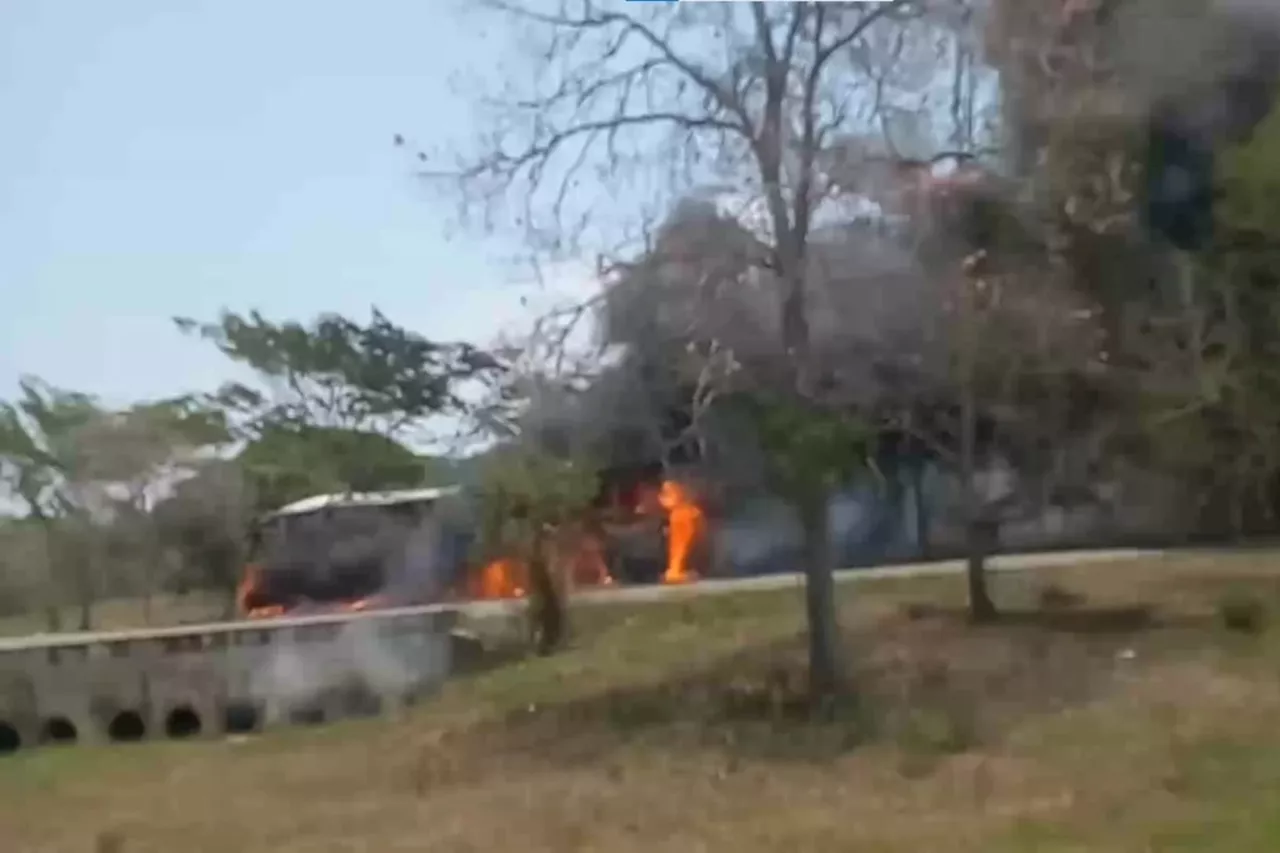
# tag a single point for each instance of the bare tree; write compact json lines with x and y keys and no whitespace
{"x":534,"y":487}
{"x":647,"y":102}
{"x":918,"y":332}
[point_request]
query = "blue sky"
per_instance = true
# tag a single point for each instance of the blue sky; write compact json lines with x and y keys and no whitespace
{"x":172,"y":157}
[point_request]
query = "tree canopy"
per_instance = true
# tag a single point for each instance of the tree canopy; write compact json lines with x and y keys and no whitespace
{"x":335,"y":372}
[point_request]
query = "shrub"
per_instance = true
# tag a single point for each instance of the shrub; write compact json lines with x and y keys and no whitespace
{"x":1054,"y":597}
{"x":926,"y":735}
{"x":1243,"y":613}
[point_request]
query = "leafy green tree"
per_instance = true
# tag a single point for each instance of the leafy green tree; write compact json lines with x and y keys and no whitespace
{"x":206,"y":521}
{"x":24,"y":580}
{"x":527,"y":499}
{"x":810,"y":454}
{"x":74,"y":465}
{"x":1213,"y":419}
{"x":333,"y":398}
{"x":287,"y":462}
{"x":126,"y":461}
{"x":335,"y":372}
{"x":37,"y":440}
{"x":38,"y":452}
{"x":635,"y":99}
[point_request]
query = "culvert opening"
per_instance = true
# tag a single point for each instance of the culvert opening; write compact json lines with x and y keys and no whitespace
{"x":310,"y":715}
{"x":127,"y":727}
{"x":10,"y":740}
{"x":58,"y":730}
{"x":361,"y":701}
{"x":240,"y":718}
{"x":182,"y":722}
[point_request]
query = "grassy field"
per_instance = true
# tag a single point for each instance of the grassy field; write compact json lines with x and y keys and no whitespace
{"x":1119,"y":714}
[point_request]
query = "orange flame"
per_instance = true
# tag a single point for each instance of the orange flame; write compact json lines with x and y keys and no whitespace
{"x":586,"y":562}
{"x":686,"y":525}
{"x":245,"y":590}
{"x":501,"y":578}
{"x":373,"y":602}
{"x":578,"y":557}
{"x":251,"y":582}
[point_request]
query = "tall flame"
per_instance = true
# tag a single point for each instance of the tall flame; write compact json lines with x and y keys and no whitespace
{"x":249,"y":584}
{"x":501,"y":578}
{"x":586,"y":562}
{"x":579,"y":556}
{"x":686,"y":525}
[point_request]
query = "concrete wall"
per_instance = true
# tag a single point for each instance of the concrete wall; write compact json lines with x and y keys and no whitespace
{"x":220,"y":678}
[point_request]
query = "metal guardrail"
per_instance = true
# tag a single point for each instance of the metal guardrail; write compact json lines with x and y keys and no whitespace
{"x":609,"y":595}
{"x":448,"y":611}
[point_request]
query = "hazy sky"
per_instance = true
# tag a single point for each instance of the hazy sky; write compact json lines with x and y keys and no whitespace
{"x":172,"y":157}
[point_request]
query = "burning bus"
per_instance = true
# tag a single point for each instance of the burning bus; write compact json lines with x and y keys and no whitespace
{"x":356,"y":551}
{"x":352,"y":551}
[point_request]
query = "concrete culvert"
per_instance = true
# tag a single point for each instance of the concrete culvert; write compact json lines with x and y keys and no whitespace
{"x":240,"y":718}
{"x":58,"y":730}
{"x":182,"y":722}
{"x":10,"y":740}
{"x":127,"y":727}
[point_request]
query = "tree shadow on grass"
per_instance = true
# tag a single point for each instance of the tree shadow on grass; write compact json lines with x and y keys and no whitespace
{"x":471,"y":656}
{"x":929,"y":684}
{"x":1111,"y":621}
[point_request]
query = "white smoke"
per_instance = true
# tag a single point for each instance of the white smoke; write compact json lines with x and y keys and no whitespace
{"x":362,"y":661}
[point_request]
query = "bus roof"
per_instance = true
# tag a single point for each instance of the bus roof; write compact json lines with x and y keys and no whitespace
{"x":343,"y":500}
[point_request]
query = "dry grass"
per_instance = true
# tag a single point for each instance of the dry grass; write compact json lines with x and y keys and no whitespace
{"x":1121,"y":716}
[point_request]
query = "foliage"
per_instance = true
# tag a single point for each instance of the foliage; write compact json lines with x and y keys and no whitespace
{"x":1210,"y":402}
{"x":23,"y":559}
{"x":524,"y":492}
{"x":526,"y":498}
{"x":335,"y":372}
{"x":633,"y":97}
{"x":287,"y":462}
{"x":37,"y":443}
{"x":808,"y":448}
{"x":332,"y":397}
{"x":1249,"y":180}
{"x":1243,"y":612}
{"x":88,"y":477}
{"x":147,"y":442}
{"x":206,"y":521}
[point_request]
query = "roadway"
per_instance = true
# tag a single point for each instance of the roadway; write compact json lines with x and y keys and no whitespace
{"x":940,"y":568}
{"x":599,"y":595}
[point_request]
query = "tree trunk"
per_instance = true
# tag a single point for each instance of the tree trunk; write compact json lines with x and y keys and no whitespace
{"x":923,"y":546}
{"x":976,"y":527}
{"x":981,"y":607}
{"x":85,"y":575}
{"x":53,"y":591}
{"x":86,"y":614}
{"x":546,"y":606}
{"x":230,"y":606}
{"x":825,"y":677}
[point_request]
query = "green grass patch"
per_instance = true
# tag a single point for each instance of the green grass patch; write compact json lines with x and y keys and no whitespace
{"x":1119,"y":713}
